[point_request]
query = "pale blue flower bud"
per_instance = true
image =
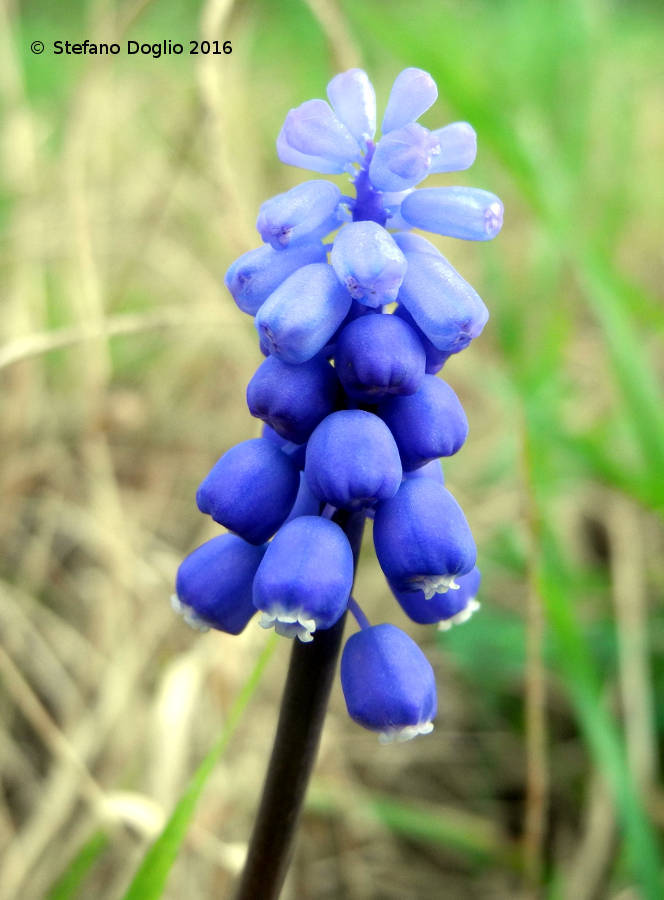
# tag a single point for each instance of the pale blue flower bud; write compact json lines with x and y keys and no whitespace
{"x":460,"y":212}
{"x":368,"y":263}
{"x":255,"y":275}
{"x":313,"y":137}
{"x":458,"y":147}
{"x":403,"y":158}
{"x":435,"y":358}
{"x":354,"y":101}
{"x":447,"y":309}
{"x":307,"y":211}
{"x":305,"y":578}
{"x":413,"y":92}
{"x":301,"y":315}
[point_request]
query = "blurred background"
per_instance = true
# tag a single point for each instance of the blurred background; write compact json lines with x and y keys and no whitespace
{"x":128,"y":185}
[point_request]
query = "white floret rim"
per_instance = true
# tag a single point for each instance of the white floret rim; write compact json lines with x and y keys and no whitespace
{"x":190,"y":616}
{"x":462,"y":616}
{"x":407,"y":733}
{"x":289,"y":623}
{"x":430,"y":585}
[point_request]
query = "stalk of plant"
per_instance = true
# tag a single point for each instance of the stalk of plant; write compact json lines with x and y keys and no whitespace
{"x":355,"y":423}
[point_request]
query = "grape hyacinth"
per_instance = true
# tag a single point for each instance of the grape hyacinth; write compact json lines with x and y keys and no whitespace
{"x":352,"y":406}
{"x":356,"y":314}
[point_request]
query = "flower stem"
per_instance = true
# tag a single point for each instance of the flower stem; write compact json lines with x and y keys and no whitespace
{"x":303,"y":707}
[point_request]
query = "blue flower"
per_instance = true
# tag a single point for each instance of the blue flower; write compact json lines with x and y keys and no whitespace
{"x":293,"y":399}
{"x":388,"y":683}
{"x":368,"y":262}
{"x":377,"y":356}
{"x":427,"y":424}
{"x":213,"y":587}
{"x":422,"y":538}
{"x":305,"y":578}
{"x":352,"y":460}
{"x":304,"y":213}
{"x":250,"y":489}
{"x":301,"y":315}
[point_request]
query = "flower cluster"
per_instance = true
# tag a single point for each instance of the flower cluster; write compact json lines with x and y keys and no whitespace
{"x":356,"y":314}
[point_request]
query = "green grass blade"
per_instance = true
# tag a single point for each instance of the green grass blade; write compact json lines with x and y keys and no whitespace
{"x":150,"y":879}
{"x":67,"y":885}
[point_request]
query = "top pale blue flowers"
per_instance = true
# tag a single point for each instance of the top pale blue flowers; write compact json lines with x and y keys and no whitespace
{"x":339,"y":136}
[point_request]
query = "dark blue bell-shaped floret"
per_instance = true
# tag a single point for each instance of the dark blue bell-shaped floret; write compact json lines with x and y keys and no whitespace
{"x":312,"y":137}
{"x":422,"y":539}
{"x":306,"y":502}
{"x":293,"y":399}
{"x":433,"y":469}
{"x":413,"y":92}
{"x":305,"y":578}
{"x":458,"y":147}
{"x":403,"y":158}
{"x":435,"y":358}
{"x":461,"y":212}
{"x":256,"y":274}
{"x":213,"y":587}
{"x":295,"y":451}
{"x":352,"y":460}
{"x":301,"y":315}
{"x":353,"y":100}
{"x":306,"y":212}
{"x":388,"y":683}
{"x":427,"y":424}
{"x":379,"y":355}
{"x":250,"y":490}
{"x":447,"y":309}
{"x":368,"y":263}
{"x":446,"y":609}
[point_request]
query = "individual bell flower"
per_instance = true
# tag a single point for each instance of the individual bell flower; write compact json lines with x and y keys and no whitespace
{"x":293,"y":399}
{"x":422,"y":538}
{"x":254,"y":275}
{"x":403,"y":158}
{"x":458,"y":147}
{"x":304,"y":580}
{"x":352,"y":460}
{"x":427,"y":424}
{"x":312,"y":137}
{"x":377,"y":356}
{"x":413,"y":92}
{"x":306,"y":212}
{"x":435,"y":359}
{"x":213,"y":586}
{"x":353,"y":100}
{"x":250,"y":490}
{"x":461,"y":212}
{"x":447,"y":309}
{"x":368,"y":262}
{"x":301,"y":315}
{"x":444,"y":609}
{"x":388,"y":683}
